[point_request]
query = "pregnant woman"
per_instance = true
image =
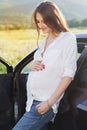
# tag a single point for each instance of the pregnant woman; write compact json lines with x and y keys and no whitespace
{"x":52,"y":70}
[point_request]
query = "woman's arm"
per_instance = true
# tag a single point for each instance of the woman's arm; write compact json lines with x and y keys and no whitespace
{"x":46,"y":105}
{"x":60,"y":89}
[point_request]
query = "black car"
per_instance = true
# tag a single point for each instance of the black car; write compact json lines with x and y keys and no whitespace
{"x":72,"y":113}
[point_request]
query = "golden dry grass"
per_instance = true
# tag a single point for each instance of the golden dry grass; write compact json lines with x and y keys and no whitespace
{"x":16,"y":44}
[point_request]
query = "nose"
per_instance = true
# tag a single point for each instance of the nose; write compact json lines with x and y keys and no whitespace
{"x":40,"y":25}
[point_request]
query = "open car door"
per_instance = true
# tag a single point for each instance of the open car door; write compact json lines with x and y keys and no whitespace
{"x":12,"y":92}
{"x":6,"y":96}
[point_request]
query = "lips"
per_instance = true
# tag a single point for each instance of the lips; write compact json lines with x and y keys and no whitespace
{"x":43,"y":29}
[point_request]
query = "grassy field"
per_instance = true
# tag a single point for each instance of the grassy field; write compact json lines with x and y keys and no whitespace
{"x":14,"y":45}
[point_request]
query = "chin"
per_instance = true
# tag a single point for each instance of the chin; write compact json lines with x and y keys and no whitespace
{"x":44,"y":31}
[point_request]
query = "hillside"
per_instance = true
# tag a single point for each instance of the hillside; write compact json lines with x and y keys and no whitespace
{"x":20,"y":10}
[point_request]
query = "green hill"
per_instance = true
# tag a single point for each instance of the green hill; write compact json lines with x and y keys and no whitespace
{"x":21,"y":10}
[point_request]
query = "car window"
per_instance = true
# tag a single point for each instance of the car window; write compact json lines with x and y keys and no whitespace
{"x":3,"y":69}
{"x":26,"y":68}
{"x":81,"y":46}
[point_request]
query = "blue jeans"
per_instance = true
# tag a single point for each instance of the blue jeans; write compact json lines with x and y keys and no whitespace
{"x":32,"y":120}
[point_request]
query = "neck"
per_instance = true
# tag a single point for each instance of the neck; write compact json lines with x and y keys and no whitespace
{"x":53,"y":35}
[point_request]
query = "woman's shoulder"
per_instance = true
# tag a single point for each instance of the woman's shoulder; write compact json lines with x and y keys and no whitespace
{"x":69,"y":39}
{"x":69,"y":35}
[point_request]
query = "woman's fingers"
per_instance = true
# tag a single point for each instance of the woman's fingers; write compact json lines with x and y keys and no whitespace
{"x":42,"y":107}
{"x":37,"y":65}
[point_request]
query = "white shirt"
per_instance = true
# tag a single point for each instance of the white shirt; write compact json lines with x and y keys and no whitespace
{"x":60,"y":60}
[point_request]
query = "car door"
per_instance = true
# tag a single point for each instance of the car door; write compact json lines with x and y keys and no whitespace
{"x":6,"y":96}
{"x":21,"y":71}
{"x":12,"y":91}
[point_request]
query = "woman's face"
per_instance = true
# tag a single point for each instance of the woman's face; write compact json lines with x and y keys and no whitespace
{"x":41,"y":25}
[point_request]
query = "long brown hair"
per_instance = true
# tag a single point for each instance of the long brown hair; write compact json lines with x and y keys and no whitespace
{"x":52,"y":17}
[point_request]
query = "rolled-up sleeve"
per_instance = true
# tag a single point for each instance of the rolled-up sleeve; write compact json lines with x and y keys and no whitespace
{"x":70,"y":57}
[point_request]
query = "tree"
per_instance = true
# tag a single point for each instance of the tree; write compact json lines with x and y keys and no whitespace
{"x":74,"y":23}
{"x":84,"y":23}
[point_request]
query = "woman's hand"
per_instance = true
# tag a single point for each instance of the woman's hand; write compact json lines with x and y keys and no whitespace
{"x":37,"y":65}
{"x":43,"y":107}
